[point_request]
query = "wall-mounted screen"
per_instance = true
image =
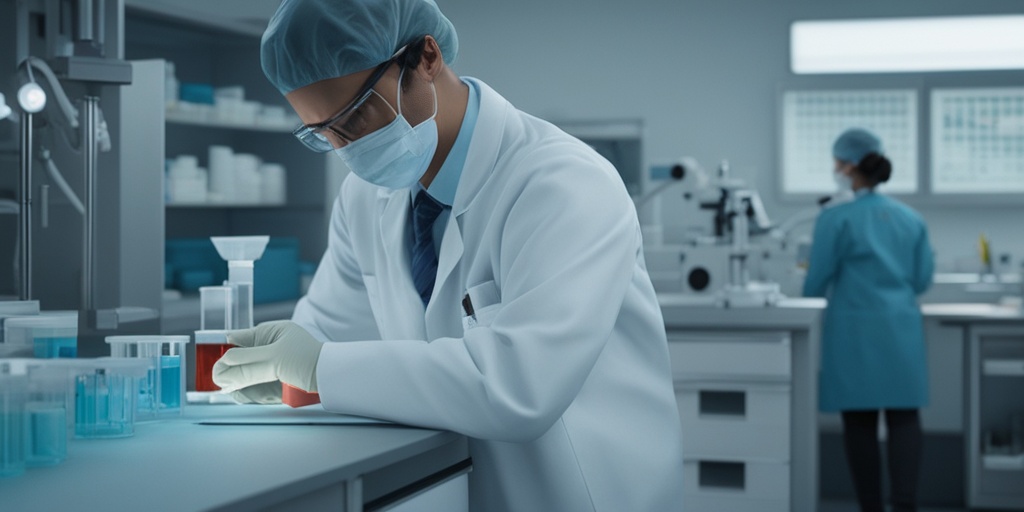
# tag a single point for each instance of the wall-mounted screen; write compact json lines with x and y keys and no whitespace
{"x":977,"y":141}
{"x":811,"y":121}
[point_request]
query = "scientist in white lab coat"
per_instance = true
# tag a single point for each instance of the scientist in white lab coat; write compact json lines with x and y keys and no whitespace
{"x":484,"y":272}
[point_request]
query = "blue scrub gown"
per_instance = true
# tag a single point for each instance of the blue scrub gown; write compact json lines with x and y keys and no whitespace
{"x":871,"y":258}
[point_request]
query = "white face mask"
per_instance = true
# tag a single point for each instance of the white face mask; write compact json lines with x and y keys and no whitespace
{"x":844,"y":183}
{"x":397,"y":155}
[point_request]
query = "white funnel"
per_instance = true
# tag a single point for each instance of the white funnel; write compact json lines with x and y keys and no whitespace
{"x":240,"y":248}
{"x":240,"y":252}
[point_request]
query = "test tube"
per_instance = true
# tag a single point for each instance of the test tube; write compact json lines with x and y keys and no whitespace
{"x":162,"y":390}
{"x":216,"y":307}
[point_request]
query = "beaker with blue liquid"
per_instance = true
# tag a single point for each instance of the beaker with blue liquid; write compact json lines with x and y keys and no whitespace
{"x":47,"y":422}
{"x":163,"y":390}
{"x":106,"y":391}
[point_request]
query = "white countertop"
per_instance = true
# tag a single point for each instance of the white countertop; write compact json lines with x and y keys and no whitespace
{"x":973,"y":312}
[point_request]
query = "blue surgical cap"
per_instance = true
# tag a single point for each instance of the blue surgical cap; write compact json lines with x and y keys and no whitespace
{"x":855,"y":144}
{"x":312,"y":40}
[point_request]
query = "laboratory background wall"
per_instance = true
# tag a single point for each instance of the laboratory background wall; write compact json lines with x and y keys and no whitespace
{"x":704,"y":77}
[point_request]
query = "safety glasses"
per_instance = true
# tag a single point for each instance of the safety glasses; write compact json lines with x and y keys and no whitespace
{"x":365,"y":114}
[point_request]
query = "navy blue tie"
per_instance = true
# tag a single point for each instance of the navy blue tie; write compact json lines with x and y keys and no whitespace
{"x":424,"y":259}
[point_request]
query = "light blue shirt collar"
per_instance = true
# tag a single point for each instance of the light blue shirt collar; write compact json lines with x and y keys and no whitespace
{"x":446,"y":182}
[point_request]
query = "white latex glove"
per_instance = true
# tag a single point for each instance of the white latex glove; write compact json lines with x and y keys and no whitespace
{"x":270,"y":352}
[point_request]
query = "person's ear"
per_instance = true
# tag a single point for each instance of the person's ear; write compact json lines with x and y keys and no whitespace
{"x":431,"y":61}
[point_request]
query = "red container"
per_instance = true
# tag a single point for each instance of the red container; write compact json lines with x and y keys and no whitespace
{"x":296,"y":397}
{"x":206,"y":355}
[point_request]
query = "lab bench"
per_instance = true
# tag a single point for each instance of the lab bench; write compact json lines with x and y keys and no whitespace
{"x":746,"y":387}
{"x":991,"y":340}
{"x":252,"y":461}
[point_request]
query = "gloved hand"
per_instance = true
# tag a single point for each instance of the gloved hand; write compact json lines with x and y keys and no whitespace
{"x":267,"y":355}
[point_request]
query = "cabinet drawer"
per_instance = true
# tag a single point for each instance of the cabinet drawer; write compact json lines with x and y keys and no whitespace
{"x":745,"y":355}
{"x":735,"y":421}
{"x":712,"y":486}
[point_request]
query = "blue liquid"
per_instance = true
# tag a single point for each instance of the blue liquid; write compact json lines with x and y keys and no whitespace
{"x":52,"y":348}
{"x":46,"y":433}
{"x":12,"y":447}
{"x":147,"y":392}
{"x":170,"y":382}
{"x":104,"y":406}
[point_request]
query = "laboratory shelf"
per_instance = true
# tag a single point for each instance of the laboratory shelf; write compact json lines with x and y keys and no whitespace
{"x":1003,"y":462}
{"x":175,"y":117}
{"x":1003,"y":367}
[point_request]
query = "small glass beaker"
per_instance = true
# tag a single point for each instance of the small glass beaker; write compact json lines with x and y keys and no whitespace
{"x":210,"y":346}
{"x":106,"y":390}
{"x":163,"y":389}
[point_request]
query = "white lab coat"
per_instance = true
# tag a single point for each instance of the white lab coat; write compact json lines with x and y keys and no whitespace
{"x":563,"y":384}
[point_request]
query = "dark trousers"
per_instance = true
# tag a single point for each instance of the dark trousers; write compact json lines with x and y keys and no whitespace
{"x":860,"y":438}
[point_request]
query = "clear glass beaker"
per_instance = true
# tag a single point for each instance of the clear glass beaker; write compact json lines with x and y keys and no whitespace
{"x":210,"y":346}
{"x":106,"y":390}
{"x":46,"y":413}
{"x":163,"y":389}
{"x":13,"y":386}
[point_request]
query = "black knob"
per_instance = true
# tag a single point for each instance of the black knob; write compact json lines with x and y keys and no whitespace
{"x":699,"y":279}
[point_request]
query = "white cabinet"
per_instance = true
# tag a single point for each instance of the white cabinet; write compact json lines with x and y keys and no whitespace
{"x":995,"y":423}
{"x":737,"y":421}
{"x":733,"y":390}
{"x":731,"y":486}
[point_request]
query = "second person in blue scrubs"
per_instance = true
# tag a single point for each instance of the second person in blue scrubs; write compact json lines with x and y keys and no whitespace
{"x":871,"y":258}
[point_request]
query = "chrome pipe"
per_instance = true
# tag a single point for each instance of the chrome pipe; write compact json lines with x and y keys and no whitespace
{"x":90,"y":118}
{"x":25,"y":217}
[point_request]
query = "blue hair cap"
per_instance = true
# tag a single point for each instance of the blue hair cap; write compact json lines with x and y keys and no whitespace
{"x":312,"y":40}
{"x":855,"y":144}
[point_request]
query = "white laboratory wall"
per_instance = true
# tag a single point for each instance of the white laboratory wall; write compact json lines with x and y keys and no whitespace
{"x":703,"y":75}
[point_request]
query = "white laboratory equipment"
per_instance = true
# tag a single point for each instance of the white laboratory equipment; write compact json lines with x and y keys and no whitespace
{"x":718,"y":265}
{"x":274,"y":187}
{"x":187,"y":182}
{"x":225,"y":308}
{"x":51,"y":334}
{"x":162,"y":391}
{"x":241,"y":252}
{"x":16,"y":308}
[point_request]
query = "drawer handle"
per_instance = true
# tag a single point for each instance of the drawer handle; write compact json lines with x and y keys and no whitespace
{"x":723,"y":475}
{"x":728,"y":403}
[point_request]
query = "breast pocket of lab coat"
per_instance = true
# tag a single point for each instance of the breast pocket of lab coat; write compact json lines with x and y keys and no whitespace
{"x":486,"y":301}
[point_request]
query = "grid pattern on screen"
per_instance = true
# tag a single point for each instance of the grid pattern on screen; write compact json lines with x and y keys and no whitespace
{"x":811,"y":121}
{"x":977,"y":140}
